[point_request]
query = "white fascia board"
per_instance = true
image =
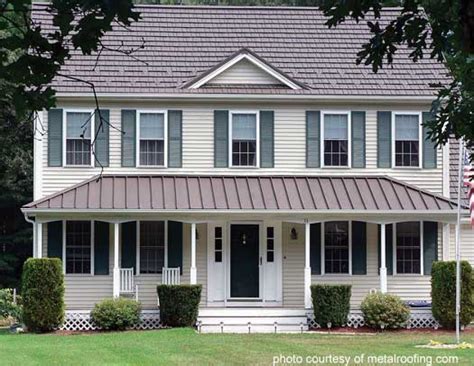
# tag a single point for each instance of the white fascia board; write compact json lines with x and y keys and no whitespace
{"x":283,"y":79}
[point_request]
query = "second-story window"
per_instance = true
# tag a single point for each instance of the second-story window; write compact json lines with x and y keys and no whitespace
{"x":152,"y":139}
{"x":336,"y":140}
{"x":407,"y":140}
{"x":244,"y":139}
{"x":79,"y":138}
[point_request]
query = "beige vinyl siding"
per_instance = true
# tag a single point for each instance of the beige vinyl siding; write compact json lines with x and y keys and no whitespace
{"x":467,"y":243}
{"x":83,"y":291}
{"x":198,"y":146}
{"x":244,"y":72}
{"x":293,"y":266}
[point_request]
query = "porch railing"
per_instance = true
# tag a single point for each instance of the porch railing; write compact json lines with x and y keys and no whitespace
{"x":171,"y":276}
{"x":127,"y":282}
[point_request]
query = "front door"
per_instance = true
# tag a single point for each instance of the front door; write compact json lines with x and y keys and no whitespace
{"x":244,"y":261}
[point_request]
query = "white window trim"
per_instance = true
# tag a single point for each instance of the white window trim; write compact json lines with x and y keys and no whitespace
{"x":92,"y":125}
{"x":165,"y":262}
{"x":137,"y":143}
{"x":394,"y":252}
{"x":349,"y":138}
{"x":323,"y":249}
{"x":64,"y":249}
{"x":420,"y":139}
{"x":257,"y":137}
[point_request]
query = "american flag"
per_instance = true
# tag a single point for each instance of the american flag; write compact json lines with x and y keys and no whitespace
{"x":469,"y":182}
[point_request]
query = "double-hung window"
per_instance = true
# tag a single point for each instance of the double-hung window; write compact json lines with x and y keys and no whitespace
{"x":152,"y":246}
{"x":336,"y":143}
{"x":408,"y":247}
{"x":152,"y":139}
{"x":407,"y":140}
{"x":244,"y":140}
{"x":78,"y":247}
{"x":78,"y":138}
{"x":336,"y":247}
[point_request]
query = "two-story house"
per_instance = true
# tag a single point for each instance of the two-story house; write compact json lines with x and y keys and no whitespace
{"x":246,"y":152}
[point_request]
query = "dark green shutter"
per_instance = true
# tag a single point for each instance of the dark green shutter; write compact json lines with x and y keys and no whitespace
{"x":102,"y":137}
{"x":388,"y":247}
{"x":55,"y":137}
{"x":315,"y":248}
{"x":358,"y":139}
{"x":313,"y":134}
{"x":221,"y":139}
{"x":175,"y":245}
{"x":129,"y":245}
{"x":429,"y":146}
{"x":55,"y":239}
{"x":384,"y":139}
{"x":175,"y":139}
{"x":101,"y":248}
{"x":266,"y":139}
{"x":430,"y":245}
{"x":129,"y":133}
{"x":359,"y":248}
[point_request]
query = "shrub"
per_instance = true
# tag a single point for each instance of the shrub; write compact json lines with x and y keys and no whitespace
{"x":331,"y":304}
{"x":42,"y":289}
{"x":116,"y":314}
{"x":179,"y":305}
{"x":384,"y":311}
{"x":8,"y":307}
{"x":443,"y":293}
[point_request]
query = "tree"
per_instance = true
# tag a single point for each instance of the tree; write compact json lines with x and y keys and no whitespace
{"x":441,"y":29}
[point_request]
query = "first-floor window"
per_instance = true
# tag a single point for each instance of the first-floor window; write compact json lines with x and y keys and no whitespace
{"x":336,"y":140}
{"x":78,"y":247}
{"x":407,"y":140}
{"x":244,"y":139}
{"x":408,"y":242}
{"x":152,"y":139}
{"x":152,"y":246}
{"x":336,"y":247}
{"x":78,"y":138}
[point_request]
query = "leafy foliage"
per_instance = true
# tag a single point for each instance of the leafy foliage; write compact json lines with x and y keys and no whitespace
{"x":331,"y":304}
{"x":179,"y":304}
{"x":116,"y":314}
{"x":43,"y":294}
{"x":443,"y":293}
{"x":8,"y":307}
{"x":384,"y":311}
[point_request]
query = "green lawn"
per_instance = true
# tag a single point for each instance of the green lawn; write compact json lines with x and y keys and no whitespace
{"x":184,"y":346}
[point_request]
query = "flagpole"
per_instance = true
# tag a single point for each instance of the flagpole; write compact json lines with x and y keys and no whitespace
{"x":458,"y":240}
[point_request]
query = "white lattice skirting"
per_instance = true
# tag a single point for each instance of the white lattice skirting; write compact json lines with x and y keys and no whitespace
{"x":79,"y":320}
{"x":419,"y":318}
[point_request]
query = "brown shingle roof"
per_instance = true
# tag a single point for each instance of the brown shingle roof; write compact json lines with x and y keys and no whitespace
{"x":183,"y":42}
{"x":281,"y":193}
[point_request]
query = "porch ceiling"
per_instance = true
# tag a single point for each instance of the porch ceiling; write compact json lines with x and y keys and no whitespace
{"x":239,"y":194}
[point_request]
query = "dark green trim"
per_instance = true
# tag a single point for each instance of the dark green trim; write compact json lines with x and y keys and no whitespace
{"x":221,"y":139}
{"x":267,"y":132}
{"x":313,"y":139}
{"x":384,"y":139}
{"x":55,"y":239}
{"x":55,"y":137}
{"x":359,"y":248}
{"x":358,"y":139}
{"x":430,"y":151}
{"x":430,"y":245}
{"x":129,"y":245}
{"x":101,"y":248}
{"x":102,"y":138}
{"x":175,"y":245}
{"x":315,"y":248}
{"x":175,"y":136}
{"x":129,"y":135}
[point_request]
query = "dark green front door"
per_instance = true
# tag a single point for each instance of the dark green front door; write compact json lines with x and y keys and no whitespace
{"x":244,"y":257}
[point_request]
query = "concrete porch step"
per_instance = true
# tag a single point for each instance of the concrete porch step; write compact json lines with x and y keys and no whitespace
{"x":253,"y":328}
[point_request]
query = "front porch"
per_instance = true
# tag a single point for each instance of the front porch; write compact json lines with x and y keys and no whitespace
{"x":251,"y":242}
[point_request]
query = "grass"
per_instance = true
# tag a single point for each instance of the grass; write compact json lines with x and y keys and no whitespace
{"x":184,"y":346}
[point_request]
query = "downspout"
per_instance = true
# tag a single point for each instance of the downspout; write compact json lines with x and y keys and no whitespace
{"x":33,"y":222}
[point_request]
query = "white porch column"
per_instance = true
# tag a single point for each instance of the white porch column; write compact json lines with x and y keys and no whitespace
{"x":116,"y":277}
{"x":193,"y":270}
{"x":39,"y":239}
{"x":307,"y":266}
{"x":383,"y":265}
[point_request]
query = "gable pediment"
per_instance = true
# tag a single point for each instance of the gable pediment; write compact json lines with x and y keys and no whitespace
{"x":244,"y":68}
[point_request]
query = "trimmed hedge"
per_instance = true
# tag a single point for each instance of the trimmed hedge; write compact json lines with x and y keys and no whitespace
{"x":443,"y":293}
{"x":179,"y":305}
{"x":42,"y":290}
{"x":116,"y":314}
{"x":8,"y":308}
{"x":384,"y":311}
{"x":331,"y":304}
